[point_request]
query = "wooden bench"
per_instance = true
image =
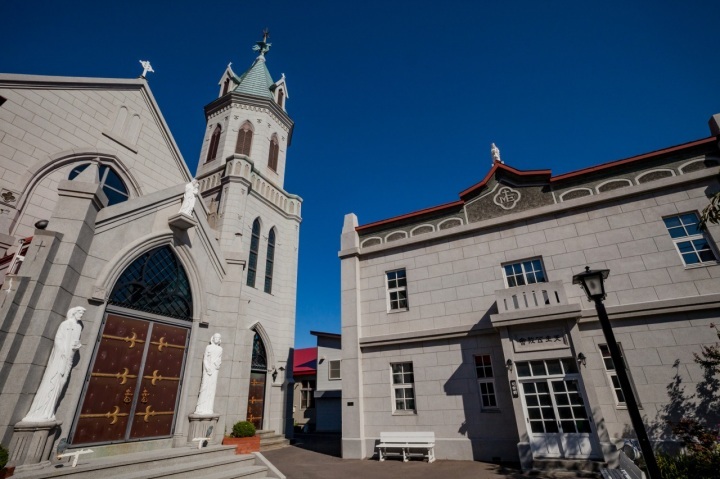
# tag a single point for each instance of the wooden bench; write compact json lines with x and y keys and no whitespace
{"x":407,"y":442}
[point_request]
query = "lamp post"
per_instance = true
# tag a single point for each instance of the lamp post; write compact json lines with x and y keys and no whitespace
{"x":592,"y":282}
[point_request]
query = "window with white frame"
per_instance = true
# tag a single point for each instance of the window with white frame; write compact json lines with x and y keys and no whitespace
{"x":609,"y":366}
{"x":524,"y":272}
{"x":403,"y":387}
{"x":690,"y":242}
{"x":397,"y":290}
{"x":307,"y":394}
{"x":486,"y":381}
{"x":334,"y":369}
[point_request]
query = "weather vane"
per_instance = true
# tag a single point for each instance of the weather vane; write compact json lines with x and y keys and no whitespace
{"x":263,"y":46}
{"x":146,"y":68}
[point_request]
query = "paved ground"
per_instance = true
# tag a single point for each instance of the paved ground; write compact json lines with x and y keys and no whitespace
{"x":315,"y":456}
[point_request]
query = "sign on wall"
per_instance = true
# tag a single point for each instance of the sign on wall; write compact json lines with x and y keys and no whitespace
{"x":527,"y":341}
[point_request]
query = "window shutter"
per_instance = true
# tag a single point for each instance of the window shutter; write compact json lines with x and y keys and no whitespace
{"x":214,"y":142}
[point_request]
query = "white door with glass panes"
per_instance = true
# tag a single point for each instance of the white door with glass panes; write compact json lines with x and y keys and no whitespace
{"x":558,"y":419}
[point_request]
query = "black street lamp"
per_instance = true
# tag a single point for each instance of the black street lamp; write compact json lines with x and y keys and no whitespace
{"x":593,"y":283}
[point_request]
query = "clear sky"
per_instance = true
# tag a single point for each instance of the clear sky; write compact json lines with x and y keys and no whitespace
{"x":396,"y":102}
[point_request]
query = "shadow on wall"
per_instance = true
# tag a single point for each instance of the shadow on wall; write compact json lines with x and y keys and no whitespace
{"x":489,"y":427}
{"x":688,"y":419}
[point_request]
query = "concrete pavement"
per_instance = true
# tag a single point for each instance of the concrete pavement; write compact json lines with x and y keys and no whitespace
{"x":316,"y":456}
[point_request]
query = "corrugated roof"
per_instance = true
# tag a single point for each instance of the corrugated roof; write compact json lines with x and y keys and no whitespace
{"x":305,"y":361}
{"x":256,"y":81}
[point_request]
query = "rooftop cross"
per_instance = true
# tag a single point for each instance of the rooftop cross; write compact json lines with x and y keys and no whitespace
{"x":146,"y":68}
{"x":263,"y":46}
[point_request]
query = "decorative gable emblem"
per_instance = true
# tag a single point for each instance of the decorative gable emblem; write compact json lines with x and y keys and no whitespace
{"x":506,"y":198}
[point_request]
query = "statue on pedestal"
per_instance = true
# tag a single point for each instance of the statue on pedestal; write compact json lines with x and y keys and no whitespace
{"x":211,"y":369}
{"x":188,"y":202}
{"x":67,"y":341}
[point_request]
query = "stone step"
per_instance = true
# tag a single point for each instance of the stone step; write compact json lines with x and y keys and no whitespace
{"x":113,"y":466}
{"x":274,"y":443}
{"x":241,"y":466}
{"x":561,"y":467}
{"x":266,"y":432}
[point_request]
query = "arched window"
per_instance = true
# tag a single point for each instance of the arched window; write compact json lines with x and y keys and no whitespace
{"x":273,"y":156}
{"x":270,"y":259}
{"x":259,"y":356}
{"x":226,"y":85}
{"x":244,"y":140}
{"x":113,"y":187}
{"x":155,"y":283}
{"x":214,"y":143}
{"x":254,"y":247}
{"x":281,"y":97}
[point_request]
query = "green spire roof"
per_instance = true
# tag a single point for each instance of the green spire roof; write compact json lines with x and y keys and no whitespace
{"x":256,"y":81}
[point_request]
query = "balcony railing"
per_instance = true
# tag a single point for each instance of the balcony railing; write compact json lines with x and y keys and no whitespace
{"x":531,"y":296}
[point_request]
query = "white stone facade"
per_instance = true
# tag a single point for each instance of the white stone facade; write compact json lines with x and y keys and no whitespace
{"x":460,"y":307}
{"x":52,"y":128}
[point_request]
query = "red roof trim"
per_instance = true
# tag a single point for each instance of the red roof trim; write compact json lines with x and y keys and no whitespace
{"x":410,"y":215}
{"x":592,"y":169}
{"x":491,"y":173}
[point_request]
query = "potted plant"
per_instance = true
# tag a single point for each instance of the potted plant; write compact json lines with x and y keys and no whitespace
{"x":5,"y":471}
{"x":243,"y":438}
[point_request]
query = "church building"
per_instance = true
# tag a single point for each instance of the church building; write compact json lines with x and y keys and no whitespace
{"x":462,"y":319}
{"x":98,"y":210}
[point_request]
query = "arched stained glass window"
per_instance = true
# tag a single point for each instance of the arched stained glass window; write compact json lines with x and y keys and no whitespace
{"x":254,"y":248}
{"x":270,"y":261}
{"x":244,"y":139}
{"x":113,"y":187}
{"x":259,"y":357}
{"x":155,"y":283}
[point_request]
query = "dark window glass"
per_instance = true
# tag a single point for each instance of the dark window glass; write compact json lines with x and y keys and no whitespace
{"x":155,"y":283}
{"x":254,"y":247}
{"x":244,"y":140}
{"x":110,"y":182}
{"x":270,"y":261}
{"x":214,"y":143}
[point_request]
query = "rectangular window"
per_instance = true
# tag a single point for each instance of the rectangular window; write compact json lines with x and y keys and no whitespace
{"x":690,"y":242}
{"x":524,"y":272}
{"x":397,"y":290}
{"x":486,"y":381}
{"x":403,"y":386}
{"x":307,"y":394}
{"x":609,"y":366}
{"x":334,"y":369}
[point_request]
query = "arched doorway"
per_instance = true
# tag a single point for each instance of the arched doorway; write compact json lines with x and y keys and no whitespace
{"x":258,"y":378}
{"x":133,"y":386}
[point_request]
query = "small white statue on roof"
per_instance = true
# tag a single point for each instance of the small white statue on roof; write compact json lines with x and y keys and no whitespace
{"x":495,"y":152}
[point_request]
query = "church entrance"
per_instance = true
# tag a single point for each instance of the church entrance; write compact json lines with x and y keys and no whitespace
{"x":258,"y":378}
{"x":132,"y":389}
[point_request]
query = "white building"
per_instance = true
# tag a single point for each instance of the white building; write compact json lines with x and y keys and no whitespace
{"x":96,"y":160}
{"x":461,"y":319}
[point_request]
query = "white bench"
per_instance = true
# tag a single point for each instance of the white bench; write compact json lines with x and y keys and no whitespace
{"x":406,"y":442}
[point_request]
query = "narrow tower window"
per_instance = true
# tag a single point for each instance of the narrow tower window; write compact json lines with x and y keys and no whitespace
{"x":244,"y":140}
{"x":269,"y":261}
{"x":226,"y":85}
{"x":273,"y":155}
{"x":281,"y":98}
{"x":254,"y":247}
{"x":214,"y":143}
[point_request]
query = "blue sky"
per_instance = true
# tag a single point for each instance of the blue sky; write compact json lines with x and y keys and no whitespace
{"x":396,"y":102}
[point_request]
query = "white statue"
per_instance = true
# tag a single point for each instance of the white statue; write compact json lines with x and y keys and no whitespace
{"x":211,"y":370}
{"x":495,"y":152}
{"x":67,"y":341}
{"x":188,"y":202}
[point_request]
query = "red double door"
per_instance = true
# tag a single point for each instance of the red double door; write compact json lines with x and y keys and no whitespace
{"x":132,"y":391}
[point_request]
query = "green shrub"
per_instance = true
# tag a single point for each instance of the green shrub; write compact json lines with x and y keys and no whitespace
{"x":3,"y":456}
{"x":243,"y":429}
{"x":692,"y":465}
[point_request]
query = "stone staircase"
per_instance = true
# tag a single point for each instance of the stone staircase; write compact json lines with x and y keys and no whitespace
{"x":212,"y":462}
{"x":269,"y":440}
{"x":562,"y":468}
